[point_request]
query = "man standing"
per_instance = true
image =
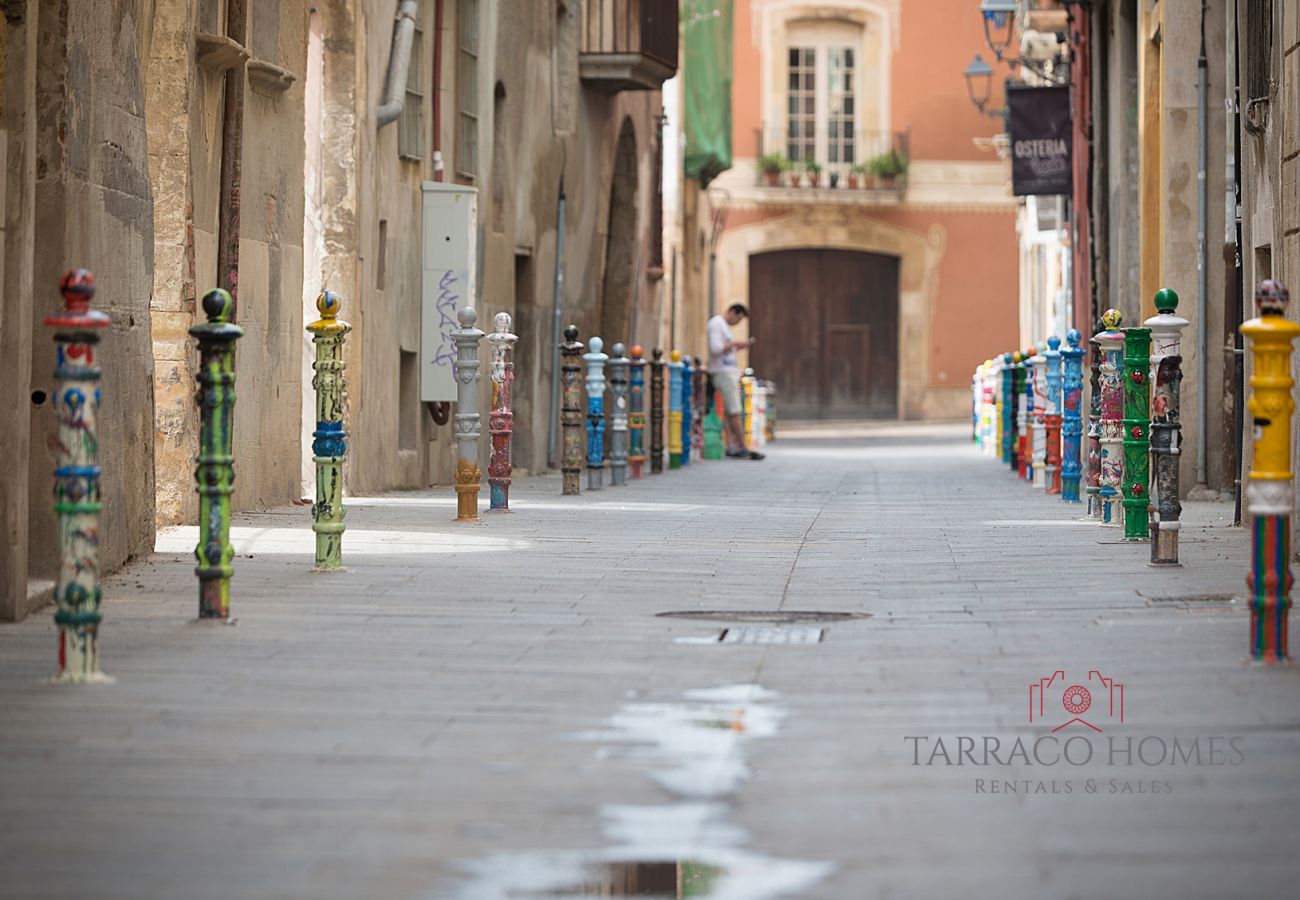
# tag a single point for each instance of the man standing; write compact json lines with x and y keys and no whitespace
{"x":726,"y":376}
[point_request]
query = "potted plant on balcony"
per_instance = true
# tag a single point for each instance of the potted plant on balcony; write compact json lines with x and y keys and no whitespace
{"x":857,"y":175}
{"x":889,"y":167}
{"x":772,"y":165}
{"x":814,"y":170}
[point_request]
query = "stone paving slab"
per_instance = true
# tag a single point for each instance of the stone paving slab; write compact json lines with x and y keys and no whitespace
{"x":379,"y":733}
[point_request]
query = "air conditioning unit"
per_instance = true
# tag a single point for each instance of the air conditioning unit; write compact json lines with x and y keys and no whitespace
{"x":449,"y":222}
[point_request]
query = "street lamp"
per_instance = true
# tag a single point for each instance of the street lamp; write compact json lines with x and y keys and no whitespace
{"x":979,"y":82}
{"x":999,"y":23}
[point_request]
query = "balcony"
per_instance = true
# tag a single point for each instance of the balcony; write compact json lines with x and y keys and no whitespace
{"x":871,"y":161}
{"x":628,"y":45}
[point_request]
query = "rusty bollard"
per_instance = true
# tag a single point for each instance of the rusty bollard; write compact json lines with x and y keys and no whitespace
{"x":657,"y":411}
{"x":77,"y":592}
{"x":500,"y":418}
{"x":571,"y":411}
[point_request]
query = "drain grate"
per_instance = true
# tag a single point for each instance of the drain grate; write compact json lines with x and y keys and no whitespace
{"x":772,"y":636}
{"x":765,"y":617}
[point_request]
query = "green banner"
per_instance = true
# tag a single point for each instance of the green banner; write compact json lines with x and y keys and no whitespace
{"x":706,"y":74}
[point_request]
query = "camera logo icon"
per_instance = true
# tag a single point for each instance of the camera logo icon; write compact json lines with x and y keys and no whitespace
{"x":1052,"y":695}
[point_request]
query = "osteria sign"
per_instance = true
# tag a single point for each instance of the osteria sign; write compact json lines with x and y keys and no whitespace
{"x":1041,"y":137}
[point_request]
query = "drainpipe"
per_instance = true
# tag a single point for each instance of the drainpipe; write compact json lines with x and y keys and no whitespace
{"x":555,"y":333}
{"x":399,"y":61}
{"x":440,"y":410}
{"x":1202,"y":286}
{"x":232,"y":149}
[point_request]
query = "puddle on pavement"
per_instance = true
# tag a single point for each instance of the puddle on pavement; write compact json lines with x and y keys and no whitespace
{"x":695,"y":751}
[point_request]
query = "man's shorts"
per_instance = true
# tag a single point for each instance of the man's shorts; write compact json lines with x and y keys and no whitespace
{"x":727,"y":382}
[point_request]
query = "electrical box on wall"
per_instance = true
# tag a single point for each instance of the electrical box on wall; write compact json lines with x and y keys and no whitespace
{"x":449,"y":222}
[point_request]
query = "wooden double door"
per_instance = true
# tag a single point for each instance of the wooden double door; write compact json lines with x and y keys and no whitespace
{"x":826,"y":323}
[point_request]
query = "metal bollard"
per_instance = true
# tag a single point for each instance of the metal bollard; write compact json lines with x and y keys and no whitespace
{"x":747,"y":407}
{"x":595,"y":360}
{"x":1093,"y":473}
{"x":1110,"y":461}
{"x":214,"y":474}
{"x":636,"y":414}
{"x":618,"y":387}
{"x":467,"y":417}
{"x":500,"y":418}
{"x":1025,"y":415}
{"x":1052,"y":417}
{"x":688,"y":392}
{"x":1166,"y":365}
{"x":1038,"y":418}
{"x":330,"y":444}
{"x":77,"y":593}
{"x":1009,"y":442}
{"x":1269,"y":488}
{"x":1072,"y":420}
{"x":1137,"y":428}
{"x":714,"y":446}
{"x":675,"y":410}
{"x":698,"y":390}
{"x":657,"y":411}
{"x":571,"y":412}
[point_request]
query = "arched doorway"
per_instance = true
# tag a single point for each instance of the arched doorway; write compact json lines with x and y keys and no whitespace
{"x":826,"y":324}
{"x":621,"y":243}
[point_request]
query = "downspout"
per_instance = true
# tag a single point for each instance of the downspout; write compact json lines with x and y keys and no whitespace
{"x":399,"y":61}
{"x":557,"y":305}
{"x":232,"y":149}
{"x":440,"y":410}
{"x":1202,"y":286}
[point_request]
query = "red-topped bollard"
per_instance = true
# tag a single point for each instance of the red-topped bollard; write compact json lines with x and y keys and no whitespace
{"x":77,"y":592}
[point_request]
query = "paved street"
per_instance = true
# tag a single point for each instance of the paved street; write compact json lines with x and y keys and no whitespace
{"x":501,"y":710}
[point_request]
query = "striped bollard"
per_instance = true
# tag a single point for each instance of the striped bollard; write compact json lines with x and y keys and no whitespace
{"x":467,"y":418}
{"x":330,"y":442}
{"x":675,"y":410}
{"x":636,"y":414}
{"x":1269,"y":487}
{"x":215,"y":472}
{"x":688,"y":391}
{"x":77,"y":593}
{"x":657,"y":411}
{"x":500,"y":418}
{"x":701,"y":407}
{"x":1137,"y":428}
{"x":1111,"y":460}
{"x":1052,"y":417}
{"x":1166,"y":367}
{"x":595,"y":360}
{"x":571,"y":411}
{"x":1093,"y":472}
{"x":1038,"y":417}
{"x":1072,"y":420}
{"x":618,"y":423}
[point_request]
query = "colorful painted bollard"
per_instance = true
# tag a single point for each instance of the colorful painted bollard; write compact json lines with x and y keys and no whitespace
{"x":1072,"y":420}
{"x":701,"y":407}
{"x":1093,"y":471}
{"x":1052,"y":417}
{"x":636,"y":415}
{"x":1008,"y":409}
{"x":1270,"y":490}
{"x":215,"y":472}
{"x":1038,"y":417}
{"x":1027,"y":415}
{"x":1137,"y":426}
{"x":500,"y":418}
{"x":595,"y":360}
{"x":1166,"y":364}
{"x":688,"y":390}
{"x":329,"y":446}
{"x":571,"y":411}
{"x":657,"y":411}
{"x":618,"y":422}
{"x":468,"y":421}
{"x":714,"y":446}
{"x":675,"y":410}
{"x":1111,"y":460}
{"x":77,"y":593}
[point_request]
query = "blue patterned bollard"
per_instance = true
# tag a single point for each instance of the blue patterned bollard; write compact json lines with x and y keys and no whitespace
{"x":77,"y":593}
{"x":675,"y":410}
{"x":1052,"y":418}
{"x":1009,"y":410}
{"x":636,"y":415}
{"x":688,"y":389}
{"x":1072,"y":421}
{"x":618,"y":423}
{"x":595,"y":361}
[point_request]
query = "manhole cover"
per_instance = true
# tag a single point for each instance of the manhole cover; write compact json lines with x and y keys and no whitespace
{"x":766,"y":617}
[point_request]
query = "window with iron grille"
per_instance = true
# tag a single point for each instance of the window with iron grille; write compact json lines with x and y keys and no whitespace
{"x":410,"y":127}
{"x":801,"y":105}
{"x":467,"y":89}
{"x":821,"y":97}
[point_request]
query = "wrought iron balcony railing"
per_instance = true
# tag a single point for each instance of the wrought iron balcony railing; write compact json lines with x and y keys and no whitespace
{"x":628,"y":45}
{"x":874,"y":160}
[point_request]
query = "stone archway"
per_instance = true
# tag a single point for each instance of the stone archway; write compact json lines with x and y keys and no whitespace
{"x":832,"y":228}
{"x":621,"y":243}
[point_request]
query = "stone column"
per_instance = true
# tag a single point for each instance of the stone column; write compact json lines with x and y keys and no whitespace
{"x":618,"y":427}
{"x":1166,"y":366}
{"x":571,"y":411}
{"x":636,"y":414}
{"x":595,"y":360}
{"x":501,"y":419}
{"x":329,"y":446}
{"x":1110,"y":459}
{"x":468,"y":420}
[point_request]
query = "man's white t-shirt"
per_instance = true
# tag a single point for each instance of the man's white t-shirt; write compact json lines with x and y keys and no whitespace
{"x":721,"y":357}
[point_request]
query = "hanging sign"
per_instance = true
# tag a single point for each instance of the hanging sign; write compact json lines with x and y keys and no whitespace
{"x":1041,"y":138}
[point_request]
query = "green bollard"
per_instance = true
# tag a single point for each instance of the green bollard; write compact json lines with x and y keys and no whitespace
{"x":215,"y":472}
{"x":330,"y":445}
{"x":1137,"y":430}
